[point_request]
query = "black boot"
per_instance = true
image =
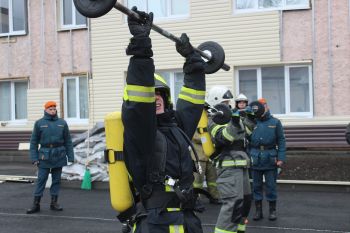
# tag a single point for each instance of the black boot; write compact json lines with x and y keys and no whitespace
{"x":258,"y":213}
{"x":54,"y":205}
{"x":36,"y":206}
{"x":272,"y":215}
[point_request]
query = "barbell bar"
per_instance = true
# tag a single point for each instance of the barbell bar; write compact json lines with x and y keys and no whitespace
{"x":211,"y":51}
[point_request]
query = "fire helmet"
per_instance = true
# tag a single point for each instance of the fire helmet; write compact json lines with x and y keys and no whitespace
{"x":241,"y":97}
{"x":258,"y":108}
{"x":218,"y":94}
{"x":161,"y":86}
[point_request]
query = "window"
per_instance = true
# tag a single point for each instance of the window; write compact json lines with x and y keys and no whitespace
{"x":76,"y":97}
{"x":13,"y":17}
{"x":13,"y":100}
{"x":288,"y":89}
{"x":174,"y":81}
{"x":263,"y":5}
{"x":162,"y":8}
{"x":70,"y":17}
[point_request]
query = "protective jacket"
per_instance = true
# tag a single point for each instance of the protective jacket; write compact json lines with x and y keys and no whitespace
{"x":232,"y":170}
{"x":52,"y":133}
{"x":229,"y":139}
{"x":267,"y":143}
{"x":148,"y":137}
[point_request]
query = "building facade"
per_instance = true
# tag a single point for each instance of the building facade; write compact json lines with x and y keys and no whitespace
{"x":45,"y":55}
{"x":294,"y":53}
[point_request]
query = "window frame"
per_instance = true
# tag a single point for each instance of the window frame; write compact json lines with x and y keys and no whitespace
{"x":11,"y":31}
{"x":76,"y":119}
{"x":169,"y":16}
{"x":257,"y":9}
{"x":13,"y":120}
{"x":287,"y":103}
{"x":73,"y":25}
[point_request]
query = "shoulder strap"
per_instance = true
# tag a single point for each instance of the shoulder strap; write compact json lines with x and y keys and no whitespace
{"x":156,"y":164}
{"x":198,"y":166}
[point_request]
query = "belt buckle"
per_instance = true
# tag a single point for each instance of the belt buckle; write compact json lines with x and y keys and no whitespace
{"x":262,"y":147}
{"x":170,"y":181}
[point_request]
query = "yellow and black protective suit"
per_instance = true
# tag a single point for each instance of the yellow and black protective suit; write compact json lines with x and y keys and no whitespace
{"x":232,"y":169}
{"x":209,"y":171}
{"x":156,"y":147}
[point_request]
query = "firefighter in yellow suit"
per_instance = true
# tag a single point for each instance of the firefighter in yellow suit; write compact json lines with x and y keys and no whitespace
{"x":208,"y":172}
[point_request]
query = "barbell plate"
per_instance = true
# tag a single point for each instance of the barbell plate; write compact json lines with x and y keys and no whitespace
{"x":94,"y":8}
{"x":217,"y":56}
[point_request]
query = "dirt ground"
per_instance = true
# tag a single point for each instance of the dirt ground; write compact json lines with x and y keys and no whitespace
{"x":317,"y":165}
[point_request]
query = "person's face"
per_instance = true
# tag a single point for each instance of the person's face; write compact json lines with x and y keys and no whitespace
{"x":159,"y":104}
{"x":266,"y":108}
{"x":242,"y":105}
{"x":51,"y":110}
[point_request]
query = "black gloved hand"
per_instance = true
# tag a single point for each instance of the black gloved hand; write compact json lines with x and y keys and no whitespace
{"x":235,"y":117}
{"x":184,"y":48}
{"x":222,"y":115}
{"x":140,"y":29}
{"x":140,"y":44}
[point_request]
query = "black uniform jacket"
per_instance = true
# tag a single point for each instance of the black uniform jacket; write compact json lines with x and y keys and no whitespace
{"x":141,"y":123}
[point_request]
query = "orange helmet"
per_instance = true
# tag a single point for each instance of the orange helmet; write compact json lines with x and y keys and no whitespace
{"x":50,"y":104}
{"x":262,"y":100}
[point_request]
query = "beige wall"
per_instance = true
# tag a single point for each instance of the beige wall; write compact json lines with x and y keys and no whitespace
{"x":44,"y":55}
{"x":246,"y":38}
{"x":307,"y":37}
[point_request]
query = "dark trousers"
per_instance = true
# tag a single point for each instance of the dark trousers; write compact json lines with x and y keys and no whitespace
{"x":191,"y":224}
{"x":43,"y":174}
{"x":270,"y":183}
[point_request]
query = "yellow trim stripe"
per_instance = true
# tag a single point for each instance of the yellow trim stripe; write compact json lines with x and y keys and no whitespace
{"x":197,"y":185}
{"x":173,"y":209}
{"x":176,"y":229}
{"x":236,"y":163}
{"x":218,"y":230}
{"x":211,"y":184}
{"x":227,"y":135}
{"x":139,"y":94}
{"x":215,"y":130}
{"x":169,"y":188}
{"x":241,"y":227}
{"x":249,"y":132}
{"x":192,"y":95}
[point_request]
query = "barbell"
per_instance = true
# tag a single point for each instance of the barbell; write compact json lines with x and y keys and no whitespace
{"x":211,"y":51}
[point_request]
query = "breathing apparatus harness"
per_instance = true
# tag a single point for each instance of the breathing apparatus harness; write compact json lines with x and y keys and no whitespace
{"x":154,"y":195}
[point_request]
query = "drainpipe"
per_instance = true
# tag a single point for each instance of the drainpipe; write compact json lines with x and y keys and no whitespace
{"x":281,"y":35}
{"x":330,"y":56}
{"x":90,"y":77}
{"x":58,"y":66}
{"x":30,"y":41}
{"x":42,"y":40}
{"x":8,"y":56}
{"x":314,"y":51}
{"x":71,"y":51}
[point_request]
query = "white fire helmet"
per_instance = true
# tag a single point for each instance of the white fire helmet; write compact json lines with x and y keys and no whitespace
{"x":218,"y":94}
{"x":241,"y":97}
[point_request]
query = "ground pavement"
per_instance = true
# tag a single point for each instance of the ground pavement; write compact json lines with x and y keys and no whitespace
{"x":89,"y":211}
{"x":304,"y":210}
